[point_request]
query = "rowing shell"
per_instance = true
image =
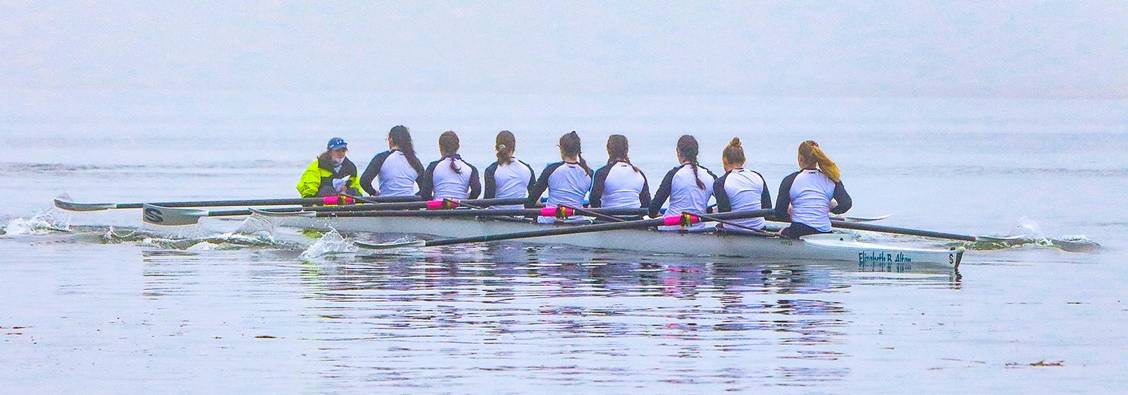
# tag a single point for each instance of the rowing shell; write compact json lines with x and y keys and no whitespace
{"x":826,"y":247}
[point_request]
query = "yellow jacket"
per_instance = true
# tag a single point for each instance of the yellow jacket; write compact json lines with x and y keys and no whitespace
{"x":317,"y":180}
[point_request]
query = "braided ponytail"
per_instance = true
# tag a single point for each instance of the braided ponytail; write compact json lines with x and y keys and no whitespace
{"x":688,"y":149}
{"x":448,"y":146}
{"x":617,"y":148}
{"x":570,"y":146}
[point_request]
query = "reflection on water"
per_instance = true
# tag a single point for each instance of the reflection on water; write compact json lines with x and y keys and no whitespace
{"x":440,"y":318}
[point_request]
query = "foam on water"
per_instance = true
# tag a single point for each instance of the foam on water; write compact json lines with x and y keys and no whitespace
{"x":43,"y":222}
{"x":330,"y":243}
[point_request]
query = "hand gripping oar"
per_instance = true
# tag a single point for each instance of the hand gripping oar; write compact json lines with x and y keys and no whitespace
{"x":67,"y":204}
{"x":902,"y":231}
{"x":684,"y":220}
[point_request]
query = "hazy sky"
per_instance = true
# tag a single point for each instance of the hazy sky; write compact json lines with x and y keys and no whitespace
{"x":819,"y":48}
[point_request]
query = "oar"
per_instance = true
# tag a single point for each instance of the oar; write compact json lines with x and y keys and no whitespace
{"x":860,"y":219}
{"x":902,"y":231}
{"x":170,"y":216}
{"x":684,"y":220}
{"x":67,"y":204}
{"x":736,"y":225}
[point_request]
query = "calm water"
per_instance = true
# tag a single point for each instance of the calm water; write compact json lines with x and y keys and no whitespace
{"x":108,"y":307}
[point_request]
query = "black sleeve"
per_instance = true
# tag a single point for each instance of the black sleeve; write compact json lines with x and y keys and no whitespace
{"x":541,"y":185}
{"x":765,"y":196}
{"x":532,"y":177}
{"x":709,"y":171}
{"x":719,"y":193}
{"x":491,"y":183}
{"x":596,"y":198}
{"x":783,"y":200}
{"x":475,"y":184}
{"x":371,"y":172}
{"x":644,"y":194}
{"x":843,"y":198}
{"x":663,"y":193}
{"x":426,"y":181}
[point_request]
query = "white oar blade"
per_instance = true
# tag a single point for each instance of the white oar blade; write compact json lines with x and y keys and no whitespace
{"x":268,"y":213}
{"x":860,"y":219}
{"x":390,"y":244}
{"x":69,"y":205}
{"x":167,"y":216}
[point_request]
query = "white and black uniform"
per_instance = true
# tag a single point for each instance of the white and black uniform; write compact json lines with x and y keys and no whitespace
{"x":619,"y":185}
{"x":397,"y":176}
{"x":742,"y":190}
{"x":450,"y":178}
{"x":681,"y":188}
{"x":809,"y":192}
{"x":567,"y":184}
{"x":508,"y":181}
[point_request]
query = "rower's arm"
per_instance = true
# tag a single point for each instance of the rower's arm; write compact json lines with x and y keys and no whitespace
{"x":662,"y":193}
{"x":595,"y":200}
{"x":644,"y":194}
{"x":719,"y":193}
{"x":541,"y":185}
{"x":765,"y":195}
{"x":427,"y":181}
{"x":843,"y":199}
{"x":475,"y":185}
{"x":372,"y":171}
{"x":783,"y":199}
{"x":491,"y":182}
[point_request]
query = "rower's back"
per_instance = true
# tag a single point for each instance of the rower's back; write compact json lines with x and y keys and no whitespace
{"x":618,"y":185}
{"x":508,"y":180}
{"x":742,"y":190}
{"x":451,"y":178}
{"x":809,"y":193}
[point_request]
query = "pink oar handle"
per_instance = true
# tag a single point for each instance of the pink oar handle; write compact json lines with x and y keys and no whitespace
{"x":684,"y":219}
{"x":560,"y":212}
{"x":337,"y":200}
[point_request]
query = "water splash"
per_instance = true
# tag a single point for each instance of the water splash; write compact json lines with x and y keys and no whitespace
{"x":1028,"y":233}
{"x":330,"y":243}
{"x":43,"y":222}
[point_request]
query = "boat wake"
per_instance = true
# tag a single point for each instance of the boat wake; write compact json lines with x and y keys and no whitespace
{"x":330,"y":244}
{"x":44,"y":222}
{"x":1028,"y":234}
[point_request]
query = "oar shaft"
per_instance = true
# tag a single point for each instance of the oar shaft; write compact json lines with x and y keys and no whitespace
{"x":574,"y":229}
{"x":903,"y":231}
{"x":468,"y":213}
{"x":261,"y":202}
{"x":415,"y":205}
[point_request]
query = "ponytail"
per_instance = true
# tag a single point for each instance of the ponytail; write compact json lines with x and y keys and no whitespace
{"x":688,"y":149}
{"x":448,"y":146}
{"x":811,"y":153}
{"x":617,"y":148}
{"x":402,"y":138}
{"x":505,"y":144}
{"x":570,"y":146}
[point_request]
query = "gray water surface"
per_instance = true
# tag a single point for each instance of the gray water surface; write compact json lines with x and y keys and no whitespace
{"x":109,"y":307}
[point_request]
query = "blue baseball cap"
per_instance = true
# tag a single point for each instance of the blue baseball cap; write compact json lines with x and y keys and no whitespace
{"x":336,"y":143}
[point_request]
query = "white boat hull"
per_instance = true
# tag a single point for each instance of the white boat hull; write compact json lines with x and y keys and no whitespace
{"x":831,"y":247}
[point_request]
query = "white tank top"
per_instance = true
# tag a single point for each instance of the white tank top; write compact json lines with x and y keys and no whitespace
{"x":619,"y":185}
{"x":440,"y":181}
{"x":395,"y":174}
{"x":742,"y":190}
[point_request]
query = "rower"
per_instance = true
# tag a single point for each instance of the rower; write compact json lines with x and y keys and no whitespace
{"x":450,"y":177}
{"x":688,"y":186}
{"x":620,"y":183}
{"x":331,"y":174}
{"x":808,"y":196}
{"x":509,"y":177}
{"x":397,"y":169}
{"x":740,"y":189}
{"x":566,"y":181}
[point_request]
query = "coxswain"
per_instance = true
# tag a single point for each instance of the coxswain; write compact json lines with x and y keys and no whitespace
{"x":331,"y":174}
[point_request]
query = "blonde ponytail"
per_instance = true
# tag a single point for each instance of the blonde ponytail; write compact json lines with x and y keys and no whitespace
{"x":811,"y":152}
{"x":733,"y":153}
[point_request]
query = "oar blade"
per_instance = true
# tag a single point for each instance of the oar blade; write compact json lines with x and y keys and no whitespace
{"x":860,"y":219}
{"x":70,"y":205}
{"x":167,"y":216}
{"x":391,"y":244}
